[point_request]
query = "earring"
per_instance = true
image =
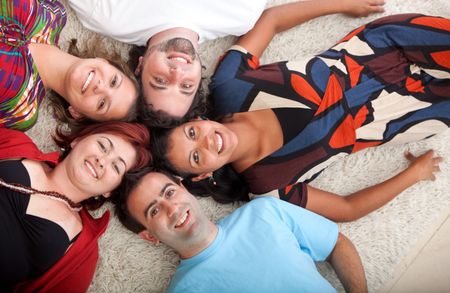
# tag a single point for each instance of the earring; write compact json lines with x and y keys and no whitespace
{"x":212,"y":181}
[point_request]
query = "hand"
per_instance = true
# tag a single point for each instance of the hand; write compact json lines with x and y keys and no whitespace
{"x":425,"y":165}
{"x":358,"y":8}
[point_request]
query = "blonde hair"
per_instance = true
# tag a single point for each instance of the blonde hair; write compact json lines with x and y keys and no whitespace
{"x":94,"y":49}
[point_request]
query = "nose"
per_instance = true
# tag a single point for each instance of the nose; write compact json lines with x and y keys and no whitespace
{"x":175,"y":70}
{"x":99,"y":86}
{"x":170,"y":207}
{"x":208,"y":142}
{"x":100,"y":161}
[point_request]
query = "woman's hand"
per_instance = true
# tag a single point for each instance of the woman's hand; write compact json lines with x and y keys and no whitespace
{"x":424,"y":166}
{"x":358,"y":8}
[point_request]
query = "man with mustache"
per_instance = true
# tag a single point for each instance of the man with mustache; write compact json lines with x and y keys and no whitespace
{"x":170,"y":68}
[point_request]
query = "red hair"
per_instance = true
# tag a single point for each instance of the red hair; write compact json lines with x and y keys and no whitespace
{"x":134,"y":133}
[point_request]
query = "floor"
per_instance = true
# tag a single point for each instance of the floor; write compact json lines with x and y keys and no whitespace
{"x":430,"y":270}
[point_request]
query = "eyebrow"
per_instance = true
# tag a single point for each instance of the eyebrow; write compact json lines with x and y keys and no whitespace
{"x":111,"y":145}
{"x":190,"y":153}
{"x":161,"y":194}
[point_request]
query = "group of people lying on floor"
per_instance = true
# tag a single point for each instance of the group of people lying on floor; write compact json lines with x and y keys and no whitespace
{"x":147,"y":137}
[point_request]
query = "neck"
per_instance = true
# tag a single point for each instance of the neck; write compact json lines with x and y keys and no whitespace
{"x":256,"y":140}
{"x":192,"y":249}
{"x":58,"y":180}
{"x":53,"y":65}
{"x":177,"y":32}
{"x":246,"y":132}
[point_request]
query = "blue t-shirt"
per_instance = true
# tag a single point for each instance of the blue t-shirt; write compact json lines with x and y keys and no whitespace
{"x":267,"y":245}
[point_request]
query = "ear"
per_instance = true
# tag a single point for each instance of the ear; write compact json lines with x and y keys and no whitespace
{"x":106,"y":194}
{"x":149,"y":237}
{"x":138,"y":69}
{"x":75,"y":114}
{"x":201,"y":176}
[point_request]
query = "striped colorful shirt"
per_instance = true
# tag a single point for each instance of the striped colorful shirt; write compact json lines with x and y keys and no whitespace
{"x":21,"y":89}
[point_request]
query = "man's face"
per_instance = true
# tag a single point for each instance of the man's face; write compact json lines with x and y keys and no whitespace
{"x":168,"y":211}
{"x":171,"y":75}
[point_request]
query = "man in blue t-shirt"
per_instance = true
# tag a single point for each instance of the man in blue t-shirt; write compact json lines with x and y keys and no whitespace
{"x":267,"y":245}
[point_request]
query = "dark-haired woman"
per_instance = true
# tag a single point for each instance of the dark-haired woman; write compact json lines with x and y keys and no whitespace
{"x":386,"y":82}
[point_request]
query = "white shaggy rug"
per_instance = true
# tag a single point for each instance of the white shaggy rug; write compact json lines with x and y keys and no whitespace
{"x":387,"y":239}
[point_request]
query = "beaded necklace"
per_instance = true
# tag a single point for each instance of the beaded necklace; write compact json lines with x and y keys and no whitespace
{"x":76,"y":207}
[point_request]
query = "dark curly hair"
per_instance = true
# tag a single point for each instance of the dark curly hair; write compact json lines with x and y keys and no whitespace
{"x":228,"y":185}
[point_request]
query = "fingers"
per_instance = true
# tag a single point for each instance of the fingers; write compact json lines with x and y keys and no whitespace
{"x":437,"y":160}
{"x":409,"y":156}
{"x":376,"y":6}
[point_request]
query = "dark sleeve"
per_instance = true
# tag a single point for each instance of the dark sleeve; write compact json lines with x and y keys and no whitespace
{"x":228,"y":87}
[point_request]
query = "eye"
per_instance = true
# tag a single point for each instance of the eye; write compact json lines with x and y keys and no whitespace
{"x":160,"y":80}
{"x":114,"y":81}
{"x":116,"y":168}
{"x":191,"y":133}
{"x":196,"y":157}
{"x":170,"y":193}
{"x":186,"y":86}
{"x":154,"y":212}
{"x":101,"y":104}
{"x":102,"y":147}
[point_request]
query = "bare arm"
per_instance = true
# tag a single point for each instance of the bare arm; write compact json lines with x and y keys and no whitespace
{"x":283,"y":17}
{"x":358,"y":204}
{"x":347,"y":264}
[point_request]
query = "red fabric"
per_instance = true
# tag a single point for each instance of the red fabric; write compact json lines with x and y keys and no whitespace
{"x":75,"y":270}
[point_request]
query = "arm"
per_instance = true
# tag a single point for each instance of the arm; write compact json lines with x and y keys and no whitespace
{"x":360,"y":203}
{"x":283,"y":17}
{"x":347,"y":264}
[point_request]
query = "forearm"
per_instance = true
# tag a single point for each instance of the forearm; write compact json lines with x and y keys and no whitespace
{"x":283,"y":17}
{"x":369,"y":199}
{"x":347,"y":264}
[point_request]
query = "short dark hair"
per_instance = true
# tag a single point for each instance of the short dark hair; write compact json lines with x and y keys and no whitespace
{"x":120,"y":195}
{"x":159,"y":118}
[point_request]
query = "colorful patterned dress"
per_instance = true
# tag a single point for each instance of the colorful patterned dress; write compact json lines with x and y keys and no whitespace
{"x":385,"y":82}
{"x":21,"y":90}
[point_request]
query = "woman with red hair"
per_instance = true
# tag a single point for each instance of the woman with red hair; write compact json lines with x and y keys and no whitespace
{"x":49,"y":239}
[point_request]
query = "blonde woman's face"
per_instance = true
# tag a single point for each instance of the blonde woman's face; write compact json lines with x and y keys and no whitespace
{"x":98,"y":90}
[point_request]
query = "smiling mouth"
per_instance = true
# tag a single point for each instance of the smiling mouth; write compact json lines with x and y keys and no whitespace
{"x":219,"y":142}
{"x":182,"y":220}
{"x":87,"y":81}
{"x":91,"y":169}
{"x":179,"y":59}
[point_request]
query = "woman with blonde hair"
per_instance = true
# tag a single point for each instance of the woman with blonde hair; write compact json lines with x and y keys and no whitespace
{"x":31,"y":64}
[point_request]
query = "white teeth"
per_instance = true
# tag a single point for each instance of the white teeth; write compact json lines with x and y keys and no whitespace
{"x":87,"y":82}
{"x":182,"y":220}
{"x":91,"y":169}
{"x":179,"y":59}
{"x":219,"y":142}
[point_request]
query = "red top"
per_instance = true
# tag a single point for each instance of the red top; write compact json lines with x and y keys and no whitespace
{"x":75,"y":270}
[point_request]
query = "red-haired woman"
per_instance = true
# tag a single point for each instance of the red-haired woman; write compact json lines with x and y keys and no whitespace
{"x":49,"y":240}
